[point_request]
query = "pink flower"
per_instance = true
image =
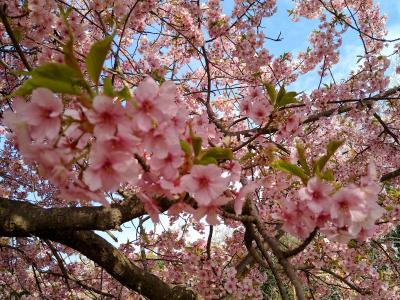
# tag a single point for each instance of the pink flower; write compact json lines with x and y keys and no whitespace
{"x":13,"y":118}
{"x":244,"y":106}
{"x":150,"y":206}
{"x":361,"y":228}
{"x":179,"y":207}
{"x":153,"y":102}
{"x":211,"y":210}
{"x":348,"y":206}
{"x":42,"y":114}
{"x":77,"y":191}
{"x":316,"y":195}
{"x":230,"y":286}
{"x":241,"y":197}
{"x":108,"y":169}
{"x":255,"y":93}
{"x":297,"y":218}
{"x":166,"y":97}
{"x":260,"y":111}
{"x":106,"y":115}
{"x":203,"y":128}
{"x":204,"y":183}
{"x":159,"y":141}
{"x":15,"y":121}
{"x":355,"y":209}
{"x":168,"y":166}
{"x":123,"y":140}
{"x":172,"y":186}
{"x":235,"y":169}
{"x":289,"y":128}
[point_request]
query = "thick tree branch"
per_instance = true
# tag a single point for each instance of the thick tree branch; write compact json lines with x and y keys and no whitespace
{"x":390,"y":175}
{"x":116,"y":264}
{"x":303,"y":245}
{"x":274,"y":246}
{"x":287,"y":267}
{"x":268,"y":265}
{"x":18,"y":217}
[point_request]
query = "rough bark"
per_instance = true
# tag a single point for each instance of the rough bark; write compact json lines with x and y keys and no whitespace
{"x":17,"y":217}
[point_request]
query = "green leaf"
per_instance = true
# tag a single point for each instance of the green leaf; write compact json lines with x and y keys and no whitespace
{"x":96,"y":57}
{"x":290,"y":169}
{"x":186,"y":147}
{"x":18,"y":34}
{"x":65,"y":14}
{"x":281,"y":93}
{"x":271,"y":92}
{"x":25,"y":89}
{"x":333,"y":146}
{"x":55,"y":71}
{"x":352,"y":244}
{"x":330,"y":151}
{"x":70,"y":59}
{"x":302,"y":159}
{"x":206,"y":161}
{"x":157,"y":77}
{"x":108,"y":88}
{"x":125,"y":93}
{"x":196,"y":142}
{"x":328,"y":175}
{"x":57,"y":77}
{"x":218,"y":154}
{"x":288,"y":98}
{"x":56,"y":86}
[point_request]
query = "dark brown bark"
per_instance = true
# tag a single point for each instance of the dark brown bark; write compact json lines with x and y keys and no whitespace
{"x":17,"y":217}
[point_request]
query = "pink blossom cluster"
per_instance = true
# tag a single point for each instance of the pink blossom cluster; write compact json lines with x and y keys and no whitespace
{"x":187,"y":16}
{"x":89,"y":150}
{"x":325,"y":44}
{"x":263,"y":9}
{"x":256,"y":106}
{"x":250,"y":52}
{"x":290,"y":127}
{"x":217,"y":23}
{"x":211,"y":278}
{"x":349,"y":213}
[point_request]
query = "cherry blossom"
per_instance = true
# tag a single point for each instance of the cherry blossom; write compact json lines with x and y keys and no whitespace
{"x":316,"y":195}
{"x":108,"y":168}
{"x":204,"y":183}
{"x":182,"y":149}
{"x":105,"y":116}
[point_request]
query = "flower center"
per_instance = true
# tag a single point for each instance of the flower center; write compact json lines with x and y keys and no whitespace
{"x":203,"y":181}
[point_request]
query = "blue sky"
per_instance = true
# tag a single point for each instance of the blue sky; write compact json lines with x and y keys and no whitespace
{"x":295,"y":38}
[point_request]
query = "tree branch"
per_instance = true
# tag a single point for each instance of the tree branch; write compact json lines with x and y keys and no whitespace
{"x":268,"y":265}
{"x":390,"y":175}
{"x":10,"y":33}
{"x":345,"y":281}
{"x":116,"y":264}
{"x":17,"y":217}
{"x":209,"y":239}
{"x":302,"y":246}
